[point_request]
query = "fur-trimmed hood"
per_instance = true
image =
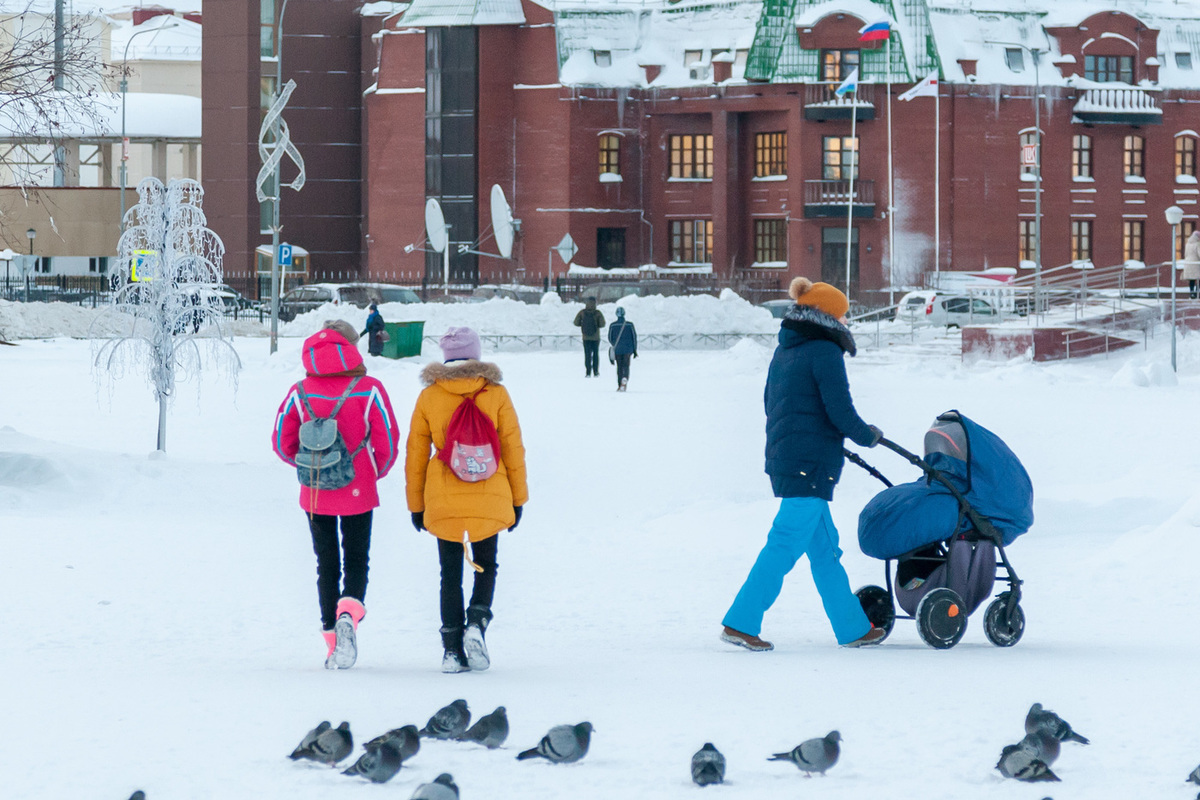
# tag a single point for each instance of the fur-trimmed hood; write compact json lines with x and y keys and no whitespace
{"x":809,"y":322}
{"x":461,"y":370}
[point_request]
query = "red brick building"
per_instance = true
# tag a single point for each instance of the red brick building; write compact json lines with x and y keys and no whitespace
{"x":706,"y":136}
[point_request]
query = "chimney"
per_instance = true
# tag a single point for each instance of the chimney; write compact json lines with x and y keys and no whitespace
{"x":140,"y":15}
{"x":968,"y":65}
{"x":722,"y":67}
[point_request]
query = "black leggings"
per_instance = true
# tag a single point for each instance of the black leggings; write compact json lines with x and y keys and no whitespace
{"x":333,"y":567}
{"x":450,"y":554}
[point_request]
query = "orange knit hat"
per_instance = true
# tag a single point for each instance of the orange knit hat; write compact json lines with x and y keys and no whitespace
{"x":822,"y":296}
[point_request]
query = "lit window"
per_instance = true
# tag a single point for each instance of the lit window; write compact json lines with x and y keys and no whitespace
{"x":610,"y":154}
{"x":1133,"y":237}
{"x":1185,"y":156}
{"x":691,"y":241}
{"x":1027,"y":235}
{"x":836,"y":65}
{"x":1081,"y":156}
{"x":1135,"y":150}
{"x":692,"y":57}
{"x":770,"y":240}
{"x":770,"y":154}
{"x":840,"y":162}
{"x":692,"y":155}
{"x":1081,"y":240}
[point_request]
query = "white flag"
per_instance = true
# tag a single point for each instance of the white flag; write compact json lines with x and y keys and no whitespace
{"x":850,"y":84}
{"x":926,"y":88}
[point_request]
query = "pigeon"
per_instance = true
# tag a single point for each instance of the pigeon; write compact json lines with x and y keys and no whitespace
{"x":562,"y":745}
{"x":1042,"y":746}
{"x":307,"y":741}
{"x":708,"y":765}
{"x":138,"y":795}
{"x":813,"y":755}
{"x":1039,"y":718}
{"x":489,"y":731}
{"x":329,"y":746}
{"x":405,"y":739}
{"x":378,"y":764}
{"x":1023,"y":764}
{"x":442,"y":788}
{"x":1195,"y":776}
{"x":449,"y":722}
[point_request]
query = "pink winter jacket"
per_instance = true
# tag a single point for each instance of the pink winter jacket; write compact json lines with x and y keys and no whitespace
{"x":331,"y":362}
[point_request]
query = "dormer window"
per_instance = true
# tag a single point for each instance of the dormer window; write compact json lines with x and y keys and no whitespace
{"x":603,"y":58}
{"x":1015,"y":58}
{"x":836,"y":65}
{"x":1183,"y":60}
{"x":1108,"y":69}
{"x":692,"y":57}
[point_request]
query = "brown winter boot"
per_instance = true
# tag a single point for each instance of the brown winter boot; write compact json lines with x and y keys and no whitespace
{"x":873,"y":636}
{"x":745,"y":640}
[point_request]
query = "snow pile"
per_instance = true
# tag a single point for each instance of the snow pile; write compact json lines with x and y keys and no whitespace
{"x":1145,"y":375}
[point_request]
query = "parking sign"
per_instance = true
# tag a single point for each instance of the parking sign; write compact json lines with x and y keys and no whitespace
{"x":285,"y":255}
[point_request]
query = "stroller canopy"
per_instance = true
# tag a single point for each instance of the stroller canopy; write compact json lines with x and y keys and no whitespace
{"x":903,"y":518}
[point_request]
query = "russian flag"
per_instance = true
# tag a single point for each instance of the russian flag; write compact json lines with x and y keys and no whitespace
{"x":876,"y":31}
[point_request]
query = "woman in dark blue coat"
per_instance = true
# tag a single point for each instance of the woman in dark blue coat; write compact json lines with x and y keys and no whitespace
{"x":375,"y":328}
{"x":809,"y":415}
{"x":623,"y":338}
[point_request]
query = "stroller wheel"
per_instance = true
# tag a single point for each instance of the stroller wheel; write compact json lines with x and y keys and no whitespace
{"x":877,"y":605}
{"x":1002,"y":630}
{"x":941,"y":618}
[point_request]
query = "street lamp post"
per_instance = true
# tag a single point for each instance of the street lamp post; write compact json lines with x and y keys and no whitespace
{"x":1174,"y":216}
{"x":1034,"y":52}
{"x":124,"y":90}
{"x":31,"y":234}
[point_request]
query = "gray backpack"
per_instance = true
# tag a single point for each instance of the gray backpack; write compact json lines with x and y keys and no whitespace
{"x":323,"y":462}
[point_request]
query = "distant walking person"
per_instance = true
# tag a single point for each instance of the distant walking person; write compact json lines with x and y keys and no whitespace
{"x":465,"y":479}
{"x":623,"y":338}
{"x":1191,"y":263}
{"x":590,"y":321}
{"x":809,"y":414}
{"x":375,"y":330}
{"x":337,"y":387}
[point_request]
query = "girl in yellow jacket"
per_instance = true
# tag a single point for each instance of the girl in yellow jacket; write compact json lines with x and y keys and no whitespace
{"x":465,"y":517}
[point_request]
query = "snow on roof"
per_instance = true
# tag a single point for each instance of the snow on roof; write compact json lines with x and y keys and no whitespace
{"x":147,"y":116}
{"x":863,"y":9}
{"x":382,"y":9}
{"x":110,"y":7}
{"x":161,"y":38}
{"x":429,"y":13}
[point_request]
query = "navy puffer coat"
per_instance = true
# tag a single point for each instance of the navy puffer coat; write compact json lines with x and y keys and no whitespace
{"x":809,"y":410}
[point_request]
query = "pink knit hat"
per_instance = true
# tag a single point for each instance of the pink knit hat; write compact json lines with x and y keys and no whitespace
{"x":460,"y":343}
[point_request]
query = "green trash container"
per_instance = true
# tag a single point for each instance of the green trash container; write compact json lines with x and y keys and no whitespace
{"x":404,"y":339}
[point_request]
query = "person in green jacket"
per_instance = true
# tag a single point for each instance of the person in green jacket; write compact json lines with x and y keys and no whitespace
{"x":590,"y":321}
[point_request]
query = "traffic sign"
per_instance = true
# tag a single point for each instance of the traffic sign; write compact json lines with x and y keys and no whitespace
{"x":285,"y":255}
{"x":566,"y":249}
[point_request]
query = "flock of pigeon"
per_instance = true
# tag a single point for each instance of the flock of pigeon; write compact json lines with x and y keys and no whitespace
{"x":1028,"y":760}
{"x":383,"y":755}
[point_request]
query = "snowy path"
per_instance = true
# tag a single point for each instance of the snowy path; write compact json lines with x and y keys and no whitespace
{"x":162,"y":624}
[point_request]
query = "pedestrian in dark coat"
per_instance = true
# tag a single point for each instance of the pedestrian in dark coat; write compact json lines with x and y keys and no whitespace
{"x":375,"y":330}
{"x":590,"y":321}
{"x":623,"y":338}
{"x":809,"y":415}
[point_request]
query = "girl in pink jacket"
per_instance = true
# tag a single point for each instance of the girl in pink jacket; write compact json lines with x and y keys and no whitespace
{"x":337,"y":385}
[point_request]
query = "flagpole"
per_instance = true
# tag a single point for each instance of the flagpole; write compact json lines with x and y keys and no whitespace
{"x":891,"y":185}
{"x":853,"y":170}
{"x":937,"y":180}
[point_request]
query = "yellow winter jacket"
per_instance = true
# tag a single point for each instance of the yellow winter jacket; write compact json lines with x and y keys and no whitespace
{"x":453,"y":506}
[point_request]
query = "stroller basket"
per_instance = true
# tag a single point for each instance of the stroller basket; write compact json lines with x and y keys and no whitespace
{"x":947,"y":551}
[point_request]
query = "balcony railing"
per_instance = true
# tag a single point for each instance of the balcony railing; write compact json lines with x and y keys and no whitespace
{"x":833,"y":198}
{"x":821,"y":102}
{"x":1126,"y":106}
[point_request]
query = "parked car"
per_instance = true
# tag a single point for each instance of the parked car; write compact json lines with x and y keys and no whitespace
{"x":523,"y":294}
{"x":952,"y":310}
{"x":230,"y":298}
{"x":777,"y":307}
{"x":612,"y":291}
{"x":303,"y":299}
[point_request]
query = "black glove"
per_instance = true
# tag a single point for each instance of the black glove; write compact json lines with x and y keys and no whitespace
{"x":418,"y":518}
{"x":877,"y":434}
{"x":635,"y":354}
{"x":517,"y":514}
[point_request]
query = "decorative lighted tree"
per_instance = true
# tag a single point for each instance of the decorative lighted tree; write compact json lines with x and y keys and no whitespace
{"x":169,"y":264}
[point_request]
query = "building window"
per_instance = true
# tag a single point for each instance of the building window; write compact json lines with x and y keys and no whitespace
{"x":1135,"y":150}
{"x":1028,"y":139}
{"x":1014,"y":57}
{"x":691,"y":241}
{"x":98,"y":264}
{"x":1081,"y":240}
{"x":840,"y":162}
{"x":610,"y":248}
{"x":603,"y":58}
{"x":770,"y":154}
{"x":1081,"y":156}
{"x":770,"y":240}
{"x":692,"y":57}
{"x":1027,"y":234}
{"x":1106,"y":69}
{"x":266,"y":28}
{"x":836,"y":65}
{"x":1186,"y":228}
{"x":610,"y":154}
{"x":1185,"y":156}
{"x":1134,"y":236}
{"x":692,"y":156}
{"x":1183,"y":60}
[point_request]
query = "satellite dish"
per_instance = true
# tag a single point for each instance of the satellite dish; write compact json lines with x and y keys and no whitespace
{"x":435,"y":225}
{"x":502,"y":222}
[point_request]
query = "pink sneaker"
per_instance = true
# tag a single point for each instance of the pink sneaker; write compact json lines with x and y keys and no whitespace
{"x":330,"y":642}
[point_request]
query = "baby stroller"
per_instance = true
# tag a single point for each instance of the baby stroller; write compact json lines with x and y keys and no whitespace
{"x":944,"y":532}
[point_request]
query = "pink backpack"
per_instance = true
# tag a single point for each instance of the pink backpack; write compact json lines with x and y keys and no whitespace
{"x":472,"y":445}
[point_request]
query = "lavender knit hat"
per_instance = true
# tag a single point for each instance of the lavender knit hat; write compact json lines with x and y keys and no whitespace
{"x":460,"y":343}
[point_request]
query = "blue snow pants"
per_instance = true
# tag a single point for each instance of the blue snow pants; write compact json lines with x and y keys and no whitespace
{"x":802,"y":526}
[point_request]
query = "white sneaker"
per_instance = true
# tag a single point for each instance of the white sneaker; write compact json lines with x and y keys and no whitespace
{"x":475,"y":648}
{"x":345,"y":652}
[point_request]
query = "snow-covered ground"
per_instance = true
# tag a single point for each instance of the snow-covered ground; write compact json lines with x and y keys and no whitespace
{"x":161,"y":619}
